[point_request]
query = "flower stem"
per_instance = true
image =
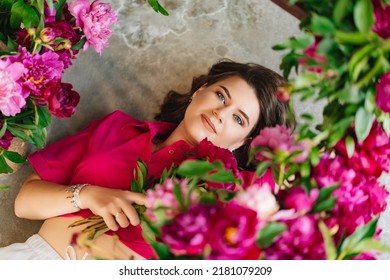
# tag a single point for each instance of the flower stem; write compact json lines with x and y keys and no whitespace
{"x":281,"y":173}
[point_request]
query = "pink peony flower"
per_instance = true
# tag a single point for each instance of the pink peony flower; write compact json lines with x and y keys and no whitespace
{"x":233,"y":232}
{"x":382,"y":97}
{"x":162,"y":200}
{"x":382,"y":18}
{"x":63,"y":100}
{"x":187,"y":234}
{"x":11,"y":97}
{"x":278,"y":138}
{"x":301,"y":241}
{"x":95,"y":21}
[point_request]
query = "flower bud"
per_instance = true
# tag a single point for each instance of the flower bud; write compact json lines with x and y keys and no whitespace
{"x":47,"y":35}
{"x":31,"y":31}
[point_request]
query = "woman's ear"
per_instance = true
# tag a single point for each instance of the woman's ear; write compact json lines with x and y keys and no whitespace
{"x":199,"y":90}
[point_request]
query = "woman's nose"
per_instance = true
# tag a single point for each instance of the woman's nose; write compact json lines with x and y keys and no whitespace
{"x":217,"y":116}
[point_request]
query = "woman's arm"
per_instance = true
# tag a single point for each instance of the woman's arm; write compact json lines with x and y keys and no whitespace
{"x":39,"y":200}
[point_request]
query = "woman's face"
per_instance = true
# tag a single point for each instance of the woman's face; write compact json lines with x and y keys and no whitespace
{"x":224,"y":113}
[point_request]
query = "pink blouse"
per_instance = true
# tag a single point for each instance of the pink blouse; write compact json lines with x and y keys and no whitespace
{"x":105,"y":154}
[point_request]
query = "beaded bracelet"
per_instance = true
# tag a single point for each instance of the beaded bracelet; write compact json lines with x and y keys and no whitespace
{"x":75,"y":197}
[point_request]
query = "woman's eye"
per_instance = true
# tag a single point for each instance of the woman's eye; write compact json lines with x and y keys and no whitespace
{"x":238,"y":119}
{"x":221,"y":97}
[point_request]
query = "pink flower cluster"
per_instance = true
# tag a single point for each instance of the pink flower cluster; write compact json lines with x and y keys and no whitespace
{"x":162,"y":200}
{"x":35,"y":72}
{"x":95,"y":21}
{"x":215,"y":231}
{"x":278,"y":139}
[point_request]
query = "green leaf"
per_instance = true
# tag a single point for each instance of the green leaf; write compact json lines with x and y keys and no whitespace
{"x":322,"y":25}
{"x":4,"y":167}
{"x":314,"y":156}
{"x":262,"y":167}
{"x":269,"y":233}
{"x":340,"y":10}
{"x":4,"y":188}
{"x":58,"y":6}
{"x":42,"y":116}
{"x":325,"y":199}
{"x":3,"y":129}
{"x":30,"y":17}
{"x":194,"y":168}
{"x":363,"y":15}
{"x":330,"y":248}
{"x":17,"y":14}
{"x":14,"y":157}
{"x":363,"y":123}
{"x":350,"y":38}
{"x":157,"y":7}
{"x":221,"y":176}
{"x":366,"y":231}
{"x":350,"y":145}
{"x":79,"y":45}
{"x":305,"y":169}
{"x":360,"y":55}
{"x":369,"y":244}
{"x":178,"y":194}
{"x":162,"y":251}
{"x":369,"y":102}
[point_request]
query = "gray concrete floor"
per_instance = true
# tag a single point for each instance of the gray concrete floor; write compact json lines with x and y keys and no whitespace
{"x":150,"y":54}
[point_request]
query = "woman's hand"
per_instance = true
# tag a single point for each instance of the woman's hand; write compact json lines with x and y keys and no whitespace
{"x":113,"y":205}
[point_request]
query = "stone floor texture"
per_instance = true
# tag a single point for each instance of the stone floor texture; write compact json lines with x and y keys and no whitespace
{"x":150,"y":54}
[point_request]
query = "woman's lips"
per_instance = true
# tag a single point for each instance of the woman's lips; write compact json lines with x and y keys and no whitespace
{"x":208,"y":124}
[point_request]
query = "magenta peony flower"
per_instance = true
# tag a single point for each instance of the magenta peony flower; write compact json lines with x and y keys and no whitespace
{"x":63,"y":100}
{"x":298,"y":199}
{"x":312,"y":61}
{"x":301,"y":241}
{"x":42,"y":71}
{"x":95,"y":21}
{"x":358,"y":199}
{"x":11,"y":97}
{"x":233,"y":232}
{"x":207,"y":150}
{"x":372,"y":156}
{"x":382,"y":18}
{"x":187,"y":234}
{"x":278,"y":138}
{"x":62,"y":29}
{"x":383,"y":91}
{"x":5,"y":141}
{"x":162,"y":200}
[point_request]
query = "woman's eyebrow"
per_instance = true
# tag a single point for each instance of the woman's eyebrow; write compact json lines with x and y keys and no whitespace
{"x":230,"y":97}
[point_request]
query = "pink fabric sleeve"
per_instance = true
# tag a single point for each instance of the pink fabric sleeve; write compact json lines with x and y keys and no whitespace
{"x":56,"y":162}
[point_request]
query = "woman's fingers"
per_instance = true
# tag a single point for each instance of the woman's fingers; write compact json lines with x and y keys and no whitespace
{"x":110,"y":221}
{"x":121,"y":219}
{"x":137,"y":198}
{"x":131,"y":214}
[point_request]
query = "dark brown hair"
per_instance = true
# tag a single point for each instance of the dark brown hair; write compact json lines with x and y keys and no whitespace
{"x":263,"y":80}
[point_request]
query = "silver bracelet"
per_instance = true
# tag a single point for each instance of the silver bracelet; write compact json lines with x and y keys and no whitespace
{"x":75,"y":197}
